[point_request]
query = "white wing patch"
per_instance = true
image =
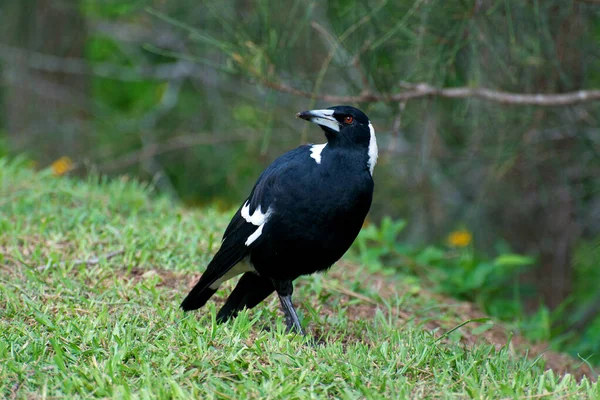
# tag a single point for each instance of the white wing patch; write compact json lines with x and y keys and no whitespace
{"x":255,"y":235}
{"x":373,"y":152}
{"x":315,"y":151}
{"x":257,"y":219}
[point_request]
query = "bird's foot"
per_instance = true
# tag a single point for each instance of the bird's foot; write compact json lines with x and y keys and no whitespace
{"x":295,"y":328}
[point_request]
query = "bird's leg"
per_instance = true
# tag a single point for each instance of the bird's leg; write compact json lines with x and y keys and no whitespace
{"x":284,"y":290}
{"x":291,"y":318}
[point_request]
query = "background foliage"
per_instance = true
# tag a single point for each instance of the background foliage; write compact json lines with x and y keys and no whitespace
{"x":198,"y":97}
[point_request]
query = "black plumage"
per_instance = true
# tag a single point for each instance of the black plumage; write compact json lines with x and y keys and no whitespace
{"x":302,"y":215}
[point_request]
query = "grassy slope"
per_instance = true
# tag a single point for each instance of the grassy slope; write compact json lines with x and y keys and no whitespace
{"x":113,"y":328}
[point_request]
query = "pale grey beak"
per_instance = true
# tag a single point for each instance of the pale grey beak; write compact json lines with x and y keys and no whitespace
{"x":321,"y":117}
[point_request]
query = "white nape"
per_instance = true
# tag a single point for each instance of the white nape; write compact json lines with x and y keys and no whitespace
{"x":373,"y":151}
{"x":315,"y":151}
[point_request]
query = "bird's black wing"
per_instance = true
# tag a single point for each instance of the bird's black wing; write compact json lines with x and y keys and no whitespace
{"x":242,"y":234}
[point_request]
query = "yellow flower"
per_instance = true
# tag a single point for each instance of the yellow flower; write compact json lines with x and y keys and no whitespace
{"x":460,"y":238}
{"x":62,"y":166}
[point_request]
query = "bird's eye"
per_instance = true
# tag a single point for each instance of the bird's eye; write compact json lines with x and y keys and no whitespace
{"x":348,"y":119}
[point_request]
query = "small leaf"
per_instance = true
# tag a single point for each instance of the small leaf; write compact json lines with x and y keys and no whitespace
{"x":506,"y":260}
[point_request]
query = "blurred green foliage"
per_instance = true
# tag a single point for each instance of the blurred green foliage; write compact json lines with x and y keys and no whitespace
{"x":460,"y":271}
{"x":489,"y":282}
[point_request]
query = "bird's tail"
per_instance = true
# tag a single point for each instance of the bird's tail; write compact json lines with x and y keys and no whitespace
{"x":226,"y":258}
{"x":250,"y":290}
{"x":198,"y":296}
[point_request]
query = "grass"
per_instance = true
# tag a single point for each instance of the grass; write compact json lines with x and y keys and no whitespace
{"x":76,"y":323}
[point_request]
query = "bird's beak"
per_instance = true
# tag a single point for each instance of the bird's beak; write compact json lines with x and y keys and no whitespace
{"x":323,"y":118}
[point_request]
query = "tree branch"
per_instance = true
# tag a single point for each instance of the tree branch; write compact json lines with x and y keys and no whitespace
{"x":420,"y":90}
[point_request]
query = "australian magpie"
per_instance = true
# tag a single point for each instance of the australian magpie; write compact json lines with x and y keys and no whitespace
{"x":302,"y":215}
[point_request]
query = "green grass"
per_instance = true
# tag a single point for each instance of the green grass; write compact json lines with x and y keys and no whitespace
{"x":112,"y":329}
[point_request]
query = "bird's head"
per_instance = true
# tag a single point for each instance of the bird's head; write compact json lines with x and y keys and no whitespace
{"x":340,"y":122}
{"x":345,"y":126}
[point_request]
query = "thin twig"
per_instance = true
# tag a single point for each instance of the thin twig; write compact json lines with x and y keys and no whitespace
{"x":356,"y":64}
{"x":537,"y":396}
{"x":341,"y":289}
{"x":154,"y":149}
{"x":15,"y":389}
{"x":89,"y":261}
{"x":96,"y":260}
{"x":445,"y":334}
{"x":336,"y":44}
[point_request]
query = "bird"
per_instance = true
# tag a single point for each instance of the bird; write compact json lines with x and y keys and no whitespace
{"x":302,"y":215}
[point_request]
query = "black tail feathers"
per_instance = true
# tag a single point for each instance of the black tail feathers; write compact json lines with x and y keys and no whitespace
{"x":249,"y":291}
{"x":197,"y":297}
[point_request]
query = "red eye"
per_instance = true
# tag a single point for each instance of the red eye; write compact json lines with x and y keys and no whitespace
{"x":348,"y":120}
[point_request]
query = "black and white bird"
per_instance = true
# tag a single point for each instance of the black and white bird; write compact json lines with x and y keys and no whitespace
{"x":302,"y":215}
